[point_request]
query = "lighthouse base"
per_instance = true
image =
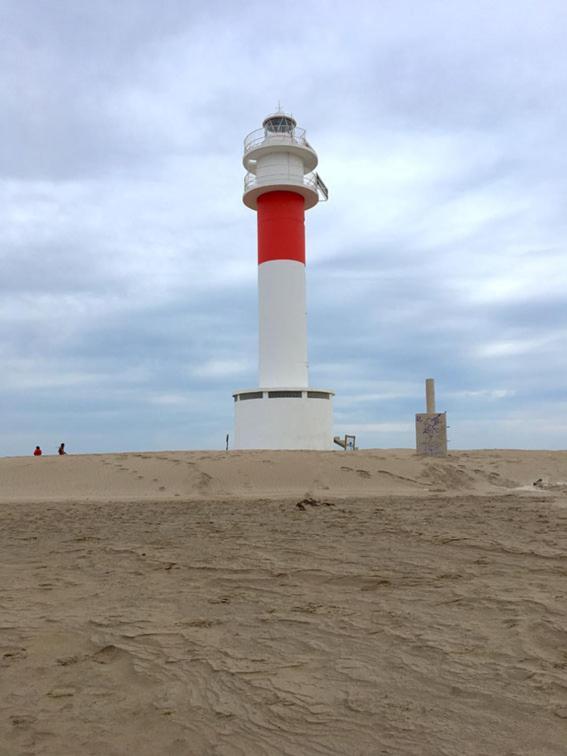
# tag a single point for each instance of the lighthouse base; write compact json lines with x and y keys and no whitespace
{"x":283,"y":419}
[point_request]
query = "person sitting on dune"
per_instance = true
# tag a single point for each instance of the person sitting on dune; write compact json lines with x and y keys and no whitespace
{"x":61,"y":450}
{"x":37,"y":452}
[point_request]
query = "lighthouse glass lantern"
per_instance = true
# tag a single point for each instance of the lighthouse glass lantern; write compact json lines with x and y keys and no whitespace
{"x":283,"y":412}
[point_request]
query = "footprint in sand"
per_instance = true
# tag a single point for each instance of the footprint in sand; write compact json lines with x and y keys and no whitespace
{"x":310,"y":608}
{"x":61,"y":692}
{"x":546,"y":639}
{"x":206,"y":623}
{"x":22,"y":720}
{"x":12,"y":655}
{"x":66,"y":661}
{"x":108,"y":654}
{"x":363,"y":473}
{"x":204,"y":480}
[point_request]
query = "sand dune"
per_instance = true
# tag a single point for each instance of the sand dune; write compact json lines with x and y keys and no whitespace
{"x":182,"y":603}
{"x":157,"y":476}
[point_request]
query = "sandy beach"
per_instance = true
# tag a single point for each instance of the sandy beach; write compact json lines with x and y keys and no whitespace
{"x":297,"y":603}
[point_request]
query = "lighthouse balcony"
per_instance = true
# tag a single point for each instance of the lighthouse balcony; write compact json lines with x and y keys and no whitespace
{"x":310,"y":186}
{"x":251,"y":181}
{"x":293,"y":136}
{"x":292,"y":141}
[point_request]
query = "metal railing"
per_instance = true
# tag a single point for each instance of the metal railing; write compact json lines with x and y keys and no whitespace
{"x":311,"y":181}
{"x":259,"y":136}
{"x":251,"y":181}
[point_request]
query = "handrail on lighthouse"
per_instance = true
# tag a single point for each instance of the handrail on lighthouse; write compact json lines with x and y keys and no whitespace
{"x":258,"y":136}
{"x":321,"y":187}
{"x":311,"y":180}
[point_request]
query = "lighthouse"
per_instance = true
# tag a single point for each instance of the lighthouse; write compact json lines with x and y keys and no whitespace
{"x":283,"y":412}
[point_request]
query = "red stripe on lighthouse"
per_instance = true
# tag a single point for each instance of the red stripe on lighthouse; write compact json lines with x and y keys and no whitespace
{"x":281,"y":227}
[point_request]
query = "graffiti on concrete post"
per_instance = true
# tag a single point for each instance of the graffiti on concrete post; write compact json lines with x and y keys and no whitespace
{"x":431,"y":434}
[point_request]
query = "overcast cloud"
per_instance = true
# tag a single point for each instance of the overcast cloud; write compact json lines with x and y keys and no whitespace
{"x":128,"y":261}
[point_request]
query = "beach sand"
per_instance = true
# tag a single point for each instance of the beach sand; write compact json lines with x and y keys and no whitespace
{"x":182,"y":603}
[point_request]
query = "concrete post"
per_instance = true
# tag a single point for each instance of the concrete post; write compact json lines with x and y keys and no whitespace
{"x":431,"y":426}
{"x":430,"y":396}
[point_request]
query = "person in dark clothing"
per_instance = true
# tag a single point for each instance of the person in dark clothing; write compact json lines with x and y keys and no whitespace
{"x":61,"y":450}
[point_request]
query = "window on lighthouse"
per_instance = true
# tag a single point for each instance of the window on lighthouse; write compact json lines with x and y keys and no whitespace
{"x":279,"y":125}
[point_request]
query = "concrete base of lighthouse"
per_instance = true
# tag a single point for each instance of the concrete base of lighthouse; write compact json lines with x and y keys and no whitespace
{"x":280,"y":418}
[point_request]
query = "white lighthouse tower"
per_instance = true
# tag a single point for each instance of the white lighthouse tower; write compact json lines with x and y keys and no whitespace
{"x":284,"y":412}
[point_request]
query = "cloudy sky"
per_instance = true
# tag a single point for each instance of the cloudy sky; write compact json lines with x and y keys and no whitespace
{"x":128,"y":261}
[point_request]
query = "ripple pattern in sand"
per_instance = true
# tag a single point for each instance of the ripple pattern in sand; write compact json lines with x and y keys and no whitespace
{"x":378,"y":626}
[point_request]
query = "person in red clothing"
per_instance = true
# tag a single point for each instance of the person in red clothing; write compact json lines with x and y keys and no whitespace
{"x":37,"y":452}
